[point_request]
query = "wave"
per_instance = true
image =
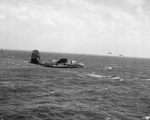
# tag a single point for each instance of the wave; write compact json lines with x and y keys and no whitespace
{"x":95,"y":75}
{"x":108,"y":68}
{"x":147,"y":79}
{"x":117,"y":78}
{"x":146,"y":118}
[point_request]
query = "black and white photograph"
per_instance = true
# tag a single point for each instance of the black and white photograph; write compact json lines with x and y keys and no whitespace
{"x":74,"y":59}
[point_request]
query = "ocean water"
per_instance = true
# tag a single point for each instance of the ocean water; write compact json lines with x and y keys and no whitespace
{"x":107,"y":88}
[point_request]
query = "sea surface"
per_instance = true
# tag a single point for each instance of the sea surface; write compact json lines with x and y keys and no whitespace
{"x":107,"y":88}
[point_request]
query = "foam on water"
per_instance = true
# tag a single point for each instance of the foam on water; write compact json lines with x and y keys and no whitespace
{"x":94,"y":75}
{"x":116,"y":78}
{"x":108,"y":68}
{"x":146,"y":118}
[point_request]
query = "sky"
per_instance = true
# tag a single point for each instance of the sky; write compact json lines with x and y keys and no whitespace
{"x":77,"y":26}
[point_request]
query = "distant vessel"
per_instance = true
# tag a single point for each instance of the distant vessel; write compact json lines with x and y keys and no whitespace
{"x":109,"y":53}
{"x":120,"y":55}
